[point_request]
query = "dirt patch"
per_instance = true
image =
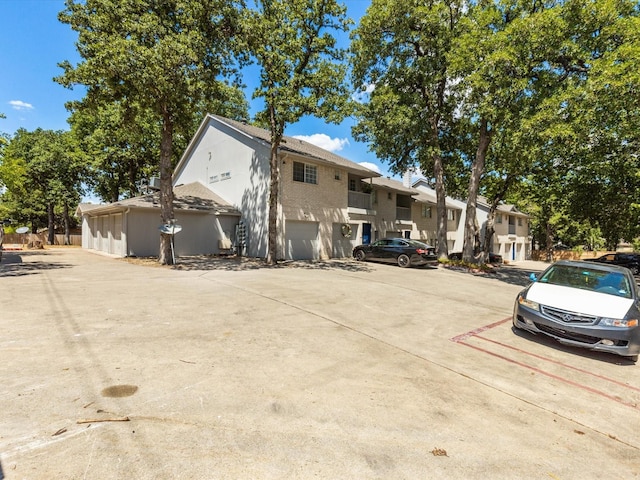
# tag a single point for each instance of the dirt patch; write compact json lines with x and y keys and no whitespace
{"x":118,"y":391}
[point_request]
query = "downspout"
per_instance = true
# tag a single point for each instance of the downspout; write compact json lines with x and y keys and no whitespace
{"x":125,"y":229}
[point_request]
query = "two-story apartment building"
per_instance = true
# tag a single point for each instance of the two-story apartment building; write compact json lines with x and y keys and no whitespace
{"x":511,"y":238}
{"x":327,"y":204}
{"x":425,"y":221}
{"x":323,"y":209}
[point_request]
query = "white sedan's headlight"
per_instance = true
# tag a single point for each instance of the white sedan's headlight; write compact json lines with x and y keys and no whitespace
{"x":617,"y":322}
{"x":522,"y":300}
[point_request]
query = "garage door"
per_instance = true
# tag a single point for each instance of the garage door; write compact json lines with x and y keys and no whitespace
{"x":301,"y":240}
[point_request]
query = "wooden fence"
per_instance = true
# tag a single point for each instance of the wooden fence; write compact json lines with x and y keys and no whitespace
{"x":31,"y":238}
{"x":541,"y":255}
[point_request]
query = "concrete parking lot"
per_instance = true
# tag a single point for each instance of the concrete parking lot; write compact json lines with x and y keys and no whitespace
{"x":219,"y":369}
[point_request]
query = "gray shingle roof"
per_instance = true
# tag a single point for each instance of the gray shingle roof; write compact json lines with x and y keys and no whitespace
{"x":394,"y":185}
{"x":295,"y":145}
{"x":191,"y":197}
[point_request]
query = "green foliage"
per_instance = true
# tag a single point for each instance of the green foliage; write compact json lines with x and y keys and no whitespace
{"x":401,"y":67}
{"x":301,"y":72}
{"x":40,"y":170}
{"x":160,"y":59}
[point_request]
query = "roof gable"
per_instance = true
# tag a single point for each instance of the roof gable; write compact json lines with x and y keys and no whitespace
{"x":289,"y":144}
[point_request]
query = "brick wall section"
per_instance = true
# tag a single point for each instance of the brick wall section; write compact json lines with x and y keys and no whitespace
{"x":385,"y":208}
{"x":324,"y":202}
{"x":424,"y":228}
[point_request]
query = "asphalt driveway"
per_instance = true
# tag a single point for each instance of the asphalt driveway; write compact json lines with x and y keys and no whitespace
{"x":221,"y":369}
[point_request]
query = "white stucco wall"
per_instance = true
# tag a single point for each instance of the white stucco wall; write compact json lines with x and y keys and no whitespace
{"x":236,"y":168}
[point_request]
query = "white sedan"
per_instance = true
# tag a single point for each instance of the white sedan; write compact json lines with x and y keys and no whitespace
{"x":583,"y":304}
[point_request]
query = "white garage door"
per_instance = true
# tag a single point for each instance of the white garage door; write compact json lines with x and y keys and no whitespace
{"x":116,"y":235}
{"x":301,"y":240}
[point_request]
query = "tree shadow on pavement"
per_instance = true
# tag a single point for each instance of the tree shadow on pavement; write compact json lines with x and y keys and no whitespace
{"x":232,"y":263}
{"x":503,"y":273}
{"x":13,"y":265}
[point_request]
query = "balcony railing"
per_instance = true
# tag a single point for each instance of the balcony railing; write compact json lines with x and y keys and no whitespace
{"x":403,"y":213}
{"x":360,"y":200}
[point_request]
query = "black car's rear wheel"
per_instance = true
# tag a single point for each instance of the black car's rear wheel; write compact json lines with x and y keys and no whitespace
{"x":360,"y":255}
{"x":404,"y":260}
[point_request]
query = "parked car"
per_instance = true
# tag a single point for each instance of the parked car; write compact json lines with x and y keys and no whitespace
{"x":404,"y":252}
{"x":493,"y":257}
{"x":583,"y":304}
{"x":628,"y":260}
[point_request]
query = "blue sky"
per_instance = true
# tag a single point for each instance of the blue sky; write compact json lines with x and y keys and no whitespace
{"x":34,"y":42}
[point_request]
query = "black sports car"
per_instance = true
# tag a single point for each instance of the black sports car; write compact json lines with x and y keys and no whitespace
{"x":404,"y":252}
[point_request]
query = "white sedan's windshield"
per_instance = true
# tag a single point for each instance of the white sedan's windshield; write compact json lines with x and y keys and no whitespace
{"x":602,"y":281}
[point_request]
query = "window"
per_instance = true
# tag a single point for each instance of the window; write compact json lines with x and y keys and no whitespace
{"x":519,"y":222}
{"x":426,"y":210}
{"x":389,"y":196}
{"x":352,"y":185}
{"x":498,"y":218}
{"x":451,"y":214}
{"x":303,"y":172}
{"x":337,"y":175}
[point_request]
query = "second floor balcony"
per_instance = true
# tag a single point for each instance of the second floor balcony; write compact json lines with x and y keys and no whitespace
{"x":359,"y":200}
{"x":403,"y":213}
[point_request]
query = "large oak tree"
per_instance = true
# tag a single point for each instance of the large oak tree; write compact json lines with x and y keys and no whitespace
{"x":400,"y":55}
{"x":164,"y":55}
{"x":301,"y":73}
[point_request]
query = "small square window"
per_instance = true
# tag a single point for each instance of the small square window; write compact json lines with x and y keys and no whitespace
{"x":389,"y":195}
{"x":498,"y":218}
{"x":451,"y":214}
{"x":519,"y":222}
{"x":337,"y":175}
{"x":426,"y":211}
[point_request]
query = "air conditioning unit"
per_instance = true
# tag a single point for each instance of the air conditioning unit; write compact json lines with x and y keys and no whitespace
{"x":154,"y":183}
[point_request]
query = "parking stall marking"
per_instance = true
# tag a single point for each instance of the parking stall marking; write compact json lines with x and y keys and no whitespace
{"x":476,"y":333}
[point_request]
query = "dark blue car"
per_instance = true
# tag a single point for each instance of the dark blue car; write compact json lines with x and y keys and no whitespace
{"x":404,"y":252}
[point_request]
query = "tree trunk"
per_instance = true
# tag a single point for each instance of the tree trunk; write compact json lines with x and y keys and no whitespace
{"x":165,"y":256}
{"x":274,"y":187}
{"x":477,"y":169}
{"x":67,"y":225}
{"x":441,"y":207}
{"x":489,"y":231}
{"x":51,"y":225}
{"x":549,"y":238}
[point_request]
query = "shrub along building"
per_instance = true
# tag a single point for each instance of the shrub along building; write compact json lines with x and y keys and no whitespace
{"x":327,"y":204}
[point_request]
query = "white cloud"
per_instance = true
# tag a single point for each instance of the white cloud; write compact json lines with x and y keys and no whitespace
{"x":324,"y":141}
{"x":363,"y":94}
{"x":371,"y":166}
{"x":20,"y":105}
